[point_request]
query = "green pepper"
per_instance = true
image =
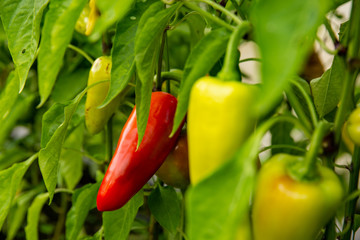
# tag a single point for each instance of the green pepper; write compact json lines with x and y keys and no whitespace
{"x":219,"y":122}
{"x":285,"y":208}
{"x":95,"y":119}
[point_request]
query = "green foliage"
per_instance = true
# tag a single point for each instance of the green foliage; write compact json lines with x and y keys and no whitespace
{"x":44,"y":61}
{"x":58,"y":28}
{"x":151,"y":27}
{"x":284,"y":32}
{"x":83,"y":201}
{"x":21,"y":20}
{"x":165,"y":206}
{"x":117,"y":224}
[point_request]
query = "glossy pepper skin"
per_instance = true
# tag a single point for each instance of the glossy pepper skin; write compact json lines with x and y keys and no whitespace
{"x":353,"y":126}
{"x":93,"y":16}
{"x":219,"y":121}
{"x":95,"y":119}
{"x":82,"y":22}
{"x":129,"y":168}
{"x":285,"y":208}
{"x":175,"y":170}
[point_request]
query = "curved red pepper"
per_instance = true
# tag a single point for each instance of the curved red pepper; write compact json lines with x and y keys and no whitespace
{"x":129,"y":169}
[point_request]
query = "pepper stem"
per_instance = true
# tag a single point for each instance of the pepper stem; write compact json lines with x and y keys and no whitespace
{"x":307,"y":170}
{"x":230,"y":70}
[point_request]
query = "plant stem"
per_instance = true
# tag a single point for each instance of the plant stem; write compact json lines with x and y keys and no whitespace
{"x":325,"y":48}
{"x":81,"y":52}
{"x":307,"y":170}
{"x":158,"y":75}
{"x":250,"y":59}
{"x":172,"y":75}
{"x":230,"y":70}
{"x":208,"y":15}
{"x":223,"y":10}
{"x":330,"y":31}
{"x":297,"y":106}
{"x":309,"y":102}
{"x":346,"y":103}
{"x":353,"y":44}
{"x":299,"y":149}
{"x":61,"y":220}
{"x":350,"y":207}
{"x":167,"y":62}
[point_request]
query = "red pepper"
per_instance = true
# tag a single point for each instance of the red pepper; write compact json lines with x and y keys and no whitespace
{"x":130,"y":169}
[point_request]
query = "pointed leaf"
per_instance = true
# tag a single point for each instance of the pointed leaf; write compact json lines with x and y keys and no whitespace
{"x":31,"y":229}
{"x":283,"y":46}
{"x":10,"y":180}
{"x":21,"y":21}
{"x":53,"y":136}
{"x":84,"y":199}
{"x":117,"y":224}
{"x":151,"y":27}
{"x":71,"y":164}
{"x":164,"y":204}
{"x":56,"y":35}
{"x":326,"y":90}
{"x":123,"y":52}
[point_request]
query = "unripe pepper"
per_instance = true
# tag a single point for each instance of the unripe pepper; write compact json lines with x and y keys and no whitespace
{"x":82,"y":22}
{"x":93,"y":16}
{"x":131,"y":168}
{"x":175,"y":170}
{"x":95,"y":119}
{"x":219,"y":122}
{"x":285,"y":208}
{"x":353,"y":126}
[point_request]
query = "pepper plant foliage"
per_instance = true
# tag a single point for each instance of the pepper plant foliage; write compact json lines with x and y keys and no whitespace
{"x":51,"y":167}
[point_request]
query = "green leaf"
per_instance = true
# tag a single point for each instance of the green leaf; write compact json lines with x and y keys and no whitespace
{"x":8,"y":96}
{"x":11,"y":155}
{"x":56,"y":35}
{"x":197,"y":25}
{"x":164,"y":204}
{"x":71,"y":164}
{"x":218,"y":205}
{"x":84,"y":199}
{"x":151,"y":27}
{"x":10,"y":180}
{"x":123,"y":52}
{"x":68,"y":85}
{"x":31,"y":229}
{"x":55,"y":124}
{"x":326,"y":90}
{"x":117,"y":224}
{"x":198,"y":65}
{"x":356,"y":222}
{"x":111,"y":11}
{"x":284,"y":32}
{"x":280,"y":134}
{"x":21,"y":106}
{"x":18,"y":211}
{"x":21,"y":21}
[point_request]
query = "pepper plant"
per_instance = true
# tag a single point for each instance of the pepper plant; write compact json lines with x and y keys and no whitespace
{"x":136,"y":119}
